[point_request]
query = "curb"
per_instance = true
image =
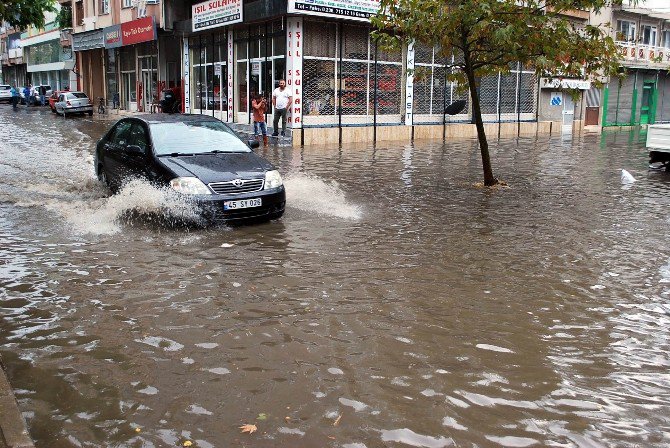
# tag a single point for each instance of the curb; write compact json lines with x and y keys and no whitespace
{"x":13,"y":429}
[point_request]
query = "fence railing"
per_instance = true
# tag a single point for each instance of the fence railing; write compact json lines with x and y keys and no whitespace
{"x":645,"y":55}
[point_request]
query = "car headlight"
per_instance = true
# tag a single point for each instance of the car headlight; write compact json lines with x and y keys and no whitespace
{"x":273,"y":180}
{"x":189,"y":185}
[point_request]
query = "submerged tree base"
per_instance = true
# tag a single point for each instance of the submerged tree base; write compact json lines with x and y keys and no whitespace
{"x":499,"y":184}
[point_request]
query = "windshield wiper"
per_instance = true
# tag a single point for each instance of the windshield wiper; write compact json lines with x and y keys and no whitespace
{"x":176,"y":154}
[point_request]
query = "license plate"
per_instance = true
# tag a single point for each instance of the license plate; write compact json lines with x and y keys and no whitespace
{"x":242,"y":203}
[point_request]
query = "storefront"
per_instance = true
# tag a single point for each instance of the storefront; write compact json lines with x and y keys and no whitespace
{"x":131,"y":52}
{"x":47,"y":62}
{"x":89,"y":47}
{"x":337,"y":76}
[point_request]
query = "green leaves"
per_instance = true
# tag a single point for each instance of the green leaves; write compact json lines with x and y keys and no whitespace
{"x":495,"y":33}
{"x":22,"y":14}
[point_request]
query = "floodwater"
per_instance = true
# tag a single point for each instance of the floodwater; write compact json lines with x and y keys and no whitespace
{"x":394,"y":304}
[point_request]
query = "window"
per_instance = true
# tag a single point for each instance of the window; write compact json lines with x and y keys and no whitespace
{"x":127,"y":3}
{"x":649,"y":35}
{"x":625,"y":30}
{"x":120,"y":133}
{"x":138,"y":137}
{"x":666,"y":39}
{"x":104,"y":7}
{"x":79,"y":13}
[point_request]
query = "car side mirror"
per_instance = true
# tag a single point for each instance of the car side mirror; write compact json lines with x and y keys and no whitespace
{"x":253,"y":144}
{"x":134,"y":149}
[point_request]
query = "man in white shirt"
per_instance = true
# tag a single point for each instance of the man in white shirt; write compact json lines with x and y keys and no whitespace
{"x":281,"y":100}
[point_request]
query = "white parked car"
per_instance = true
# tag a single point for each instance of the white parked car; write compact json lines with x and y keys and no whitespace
{"x":73,"y":103}
{"x":5,"y":92}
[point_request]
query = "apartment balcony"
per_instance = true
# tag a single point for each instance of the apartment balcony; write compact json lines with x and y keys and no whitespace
{"x":644,"y":56}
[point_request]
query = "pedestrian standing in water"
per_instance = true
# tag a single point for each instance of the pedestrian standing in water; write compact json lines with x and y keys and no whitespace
{"x":281,"y":100}
{"x":260,"y":107}
{"x":15,"y":97}
{"x":43,"y":95}
{"x":27,"y":96}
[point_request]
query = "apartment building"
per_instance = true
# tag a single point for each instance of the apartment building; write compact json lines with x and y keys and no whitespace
{"x":641,"y":94}
{"x":11,"y":56}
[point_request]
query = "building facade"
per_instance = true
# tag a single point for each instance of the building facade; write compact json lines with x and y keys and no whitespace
{"x":641,"y":94}
{"x":125,"y":52}
{"x":11,"y":57}
{"x":343,"y":87}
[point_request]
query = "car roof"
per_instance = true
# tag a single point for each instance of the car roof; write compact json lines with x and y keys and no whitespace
{"x":174,"y":118}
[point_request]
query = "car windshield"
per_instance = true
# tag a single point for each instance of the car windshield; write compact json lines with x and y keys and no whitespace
{"x":77,"y":95}
{"x":194,"y":137}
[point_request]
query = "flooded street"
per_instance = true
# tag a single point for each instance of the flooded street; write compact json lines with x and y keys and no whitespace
{"x":394,"y":304}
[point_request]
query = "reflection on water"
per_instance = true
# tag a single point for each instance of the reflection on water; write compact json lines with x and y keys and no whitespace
{"x":394,"y":304}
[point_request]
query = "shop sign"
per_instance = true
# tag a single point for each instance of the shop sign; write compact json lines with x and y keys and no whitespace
{"x":255,"y":69}
{"x":353,"y":9}
{"x":187,"y":78}
{"x":215,"y":13}
{"x":294,"y":69}
{"x":88,"y":41}
{"x":409,"y":86}
{"x":575,"y":84}
{"x":556,"y":99}
{"x":112,"y":36}
{"x":231,"y":64}
{"x":138,"y":31}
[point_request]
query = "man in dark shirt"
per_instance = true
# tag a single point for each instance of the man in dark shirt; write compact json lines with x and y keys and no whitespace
{"x":43,"y":95}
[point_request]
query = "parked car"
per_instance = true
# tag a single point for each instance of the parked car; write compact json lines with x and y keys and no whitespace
{"x":73,"y":103}
{"x":53,"y":98}
{"x":5,"y":93}
{"x":198,"y":156}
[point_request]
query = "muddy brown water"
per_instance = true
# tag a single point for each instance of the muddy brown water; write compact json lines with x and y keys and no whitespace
{"x":393,"y":305}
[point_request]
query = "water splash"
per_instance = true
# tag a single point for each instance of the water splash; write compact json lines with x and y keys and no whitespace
{"x":136,"y":199}
{"x":311,"y":194}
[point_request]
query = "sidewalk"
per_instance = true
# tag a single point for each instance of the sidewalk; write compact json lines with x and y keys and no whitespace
{"x":13,"y":430}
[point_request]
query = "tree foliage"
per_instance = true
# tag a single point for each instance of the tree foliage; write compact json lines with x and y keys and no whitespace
{"x":22,"y":14}
{"x":488,"y":36}
{"x":64,"y":17}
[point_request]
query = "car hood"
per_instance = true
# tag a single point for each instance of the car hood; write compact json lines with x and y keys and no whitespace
{"x":217,"y":167}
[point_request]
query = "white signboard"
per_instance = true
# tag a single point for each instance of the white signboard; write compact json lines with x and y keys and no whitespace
{"x":294,"y":68}
{"x":187,"y":78}
{"x":581,"y":84}
{"x":255,"y":68}
{"x":229,"y":82}
{"x":353,"y":9}
{"x":409,"y":86}
{"x":216,"y":13}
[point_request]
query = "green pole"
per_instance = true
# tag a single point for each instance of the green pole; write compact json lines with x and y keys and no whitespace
{"x":634,"y":105}
{"x":654,"y":102}
{"x":606,"y":96}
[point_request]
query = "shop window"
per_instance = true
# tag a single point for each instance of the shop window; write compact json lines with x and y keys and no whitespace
{"x":347,"y":86}
{"x":320,"y":39}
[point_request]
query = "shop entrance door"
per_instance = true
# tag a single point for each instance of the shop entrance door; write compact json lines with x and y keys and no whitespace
{"x":647,"y":108}
{"x":149,"y":89}
{"x":568,"y":113}
{"x":129,"y":92}
{"x":260,"y":81}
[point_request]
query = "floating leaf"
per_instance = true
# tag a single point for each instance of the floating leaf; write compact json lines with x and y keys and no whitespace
{"x":187,"y":443}
{"x":249,"y":428}
{"x":262,"y":416}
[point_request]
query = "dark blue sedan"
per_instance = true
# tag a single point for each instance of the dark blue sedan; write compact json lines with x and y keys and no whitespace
{"x":197,"y":156}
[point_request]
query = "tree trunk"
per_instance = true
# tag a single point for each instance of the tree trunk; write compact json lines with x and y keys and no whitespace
{"x":489,"y":180}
